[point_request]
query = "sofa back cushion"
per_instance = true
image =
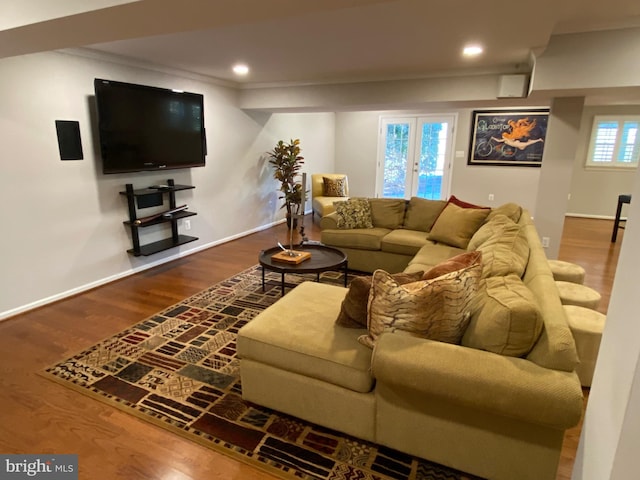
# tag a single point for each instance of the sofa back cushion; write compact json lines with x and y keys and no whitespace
{"x":387,"y":212}
{"x":510,"y":210}
{"x":421,"y":213}
{"x":555,"y":348}
{"x":507,"y":320}
{"x":504,"y":247}
{"x":436,"y":309}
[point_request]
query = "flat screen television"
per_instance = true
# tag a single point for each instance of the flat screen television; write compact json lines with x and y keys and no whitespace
{"x":144,"y":128}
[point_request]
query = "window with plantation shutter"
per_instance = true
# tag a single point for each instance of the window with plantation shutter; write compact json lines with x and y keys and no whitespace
{"x":615,"y":142}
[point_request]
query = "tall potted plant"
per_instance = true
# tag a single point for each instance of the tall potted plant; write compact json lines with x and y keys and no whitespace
{"x":287,"y":162}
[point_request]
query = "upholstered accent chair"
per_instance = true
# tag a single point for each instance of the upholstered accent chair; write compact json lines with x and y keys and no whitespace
{"x":325,"y":192}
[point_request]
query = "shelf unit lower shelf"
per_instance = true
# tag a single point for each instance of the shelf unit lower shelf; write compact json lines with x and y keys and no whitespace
{"x":155,"y":247}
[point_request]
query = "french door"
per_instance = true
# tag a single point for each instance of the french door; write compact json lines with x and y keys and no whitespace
{"x":414,"y":159}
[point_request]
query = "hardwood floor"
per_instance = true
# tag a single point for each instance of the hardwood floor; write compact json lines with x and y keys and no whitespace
{"x":39,"y":416}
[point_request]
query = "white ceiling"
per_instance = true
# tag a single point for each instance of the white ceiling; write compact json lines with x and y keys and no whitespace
{"x":311,"y":41}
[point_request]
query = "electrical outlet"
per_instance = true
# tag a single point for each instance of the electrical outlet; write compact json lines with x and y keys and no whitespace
{"x":491,"y":197}
{"x":187,"y":224}
{"x":545,"y":242}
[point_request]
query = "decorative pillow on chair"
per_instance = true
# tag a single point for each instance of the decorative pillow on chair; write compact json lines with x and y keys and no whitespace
{"x":334,"y":187}
{"x":353,"y":311}
{"x":436,"y":309}
{"x":456,"y":225}
{"x":453,"y":264}
{"x":353,"y":213}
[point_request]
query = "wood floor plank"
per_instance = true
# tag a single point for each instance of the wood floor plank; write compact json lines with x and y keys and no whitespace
{"x":40,"y":416}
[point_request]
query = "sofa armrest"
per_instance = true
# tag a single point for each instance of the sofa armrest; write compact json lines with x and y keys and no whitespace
{"x":329,"y":222}
{"x":507,"y":386}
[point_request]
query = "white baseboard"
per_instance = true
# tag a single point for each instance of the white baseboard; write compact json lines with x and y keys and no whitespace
{"x":103,"y":281}
{"x":597,"y":217}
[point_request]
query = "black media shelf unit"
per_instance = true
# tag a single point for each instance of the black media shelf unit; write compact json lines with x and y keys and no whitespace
{"x":153,"y":197}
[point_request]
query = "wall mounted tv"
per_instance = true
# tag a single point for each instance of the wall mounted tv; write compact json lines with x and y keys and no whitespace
{"x":148,"y":128}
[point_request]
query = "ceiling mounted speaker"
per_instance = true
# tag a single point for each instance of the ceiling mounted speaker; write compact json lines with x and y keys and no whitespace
{"x":513,"y":86}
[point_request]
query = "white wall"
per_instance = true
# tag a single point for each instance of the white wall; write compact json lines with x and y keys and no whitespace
{"x":557,"y":169}
{"x":357,"y":150}
{"x":62,"y":220}
{"x":593,"y":60}
{"x":595,"y":192}
{"x":610,"y":435}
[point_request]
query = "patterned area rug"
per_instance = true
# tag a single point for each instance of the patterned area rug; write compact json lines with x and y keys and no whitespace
{"x":178,"y":369}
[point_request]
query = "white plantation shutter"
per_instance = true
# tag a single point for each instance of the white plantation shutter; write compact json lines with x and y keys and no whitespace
{"x":615,"y":142}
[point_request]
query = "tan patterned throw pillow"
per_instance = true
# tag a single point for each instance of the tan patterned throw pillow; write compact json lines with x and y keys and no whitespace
{"x":353,"y":311}
{"x":353,"y":213}
{"x":437,"y":309}
{"x":335,"y":187}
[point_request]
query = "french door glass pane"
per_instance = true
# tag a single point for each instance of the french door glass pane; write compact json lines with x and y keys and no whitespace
{"x":433,"y":144}
{"x":395,"y":160}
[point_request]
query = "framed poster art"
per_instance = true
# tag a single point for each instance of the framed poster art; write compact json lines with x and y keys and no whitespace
{"x":508,"y":137}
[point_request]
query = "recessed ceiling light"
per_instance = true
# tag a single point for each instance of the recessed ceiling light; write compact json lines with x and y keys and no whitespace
{"x":240,"y":69}
{"x":472,"y":50}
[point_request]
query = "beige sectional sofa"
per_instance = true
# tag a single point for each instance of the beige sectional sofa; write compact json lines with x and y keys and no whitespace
{"x":496,"y":404}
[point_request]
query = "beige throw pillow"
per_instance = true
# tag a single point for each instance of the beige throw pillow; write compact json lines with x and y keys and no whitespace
{"x":353,"y":213}
{"x":436,"y":309}
{"x":456,"y":225}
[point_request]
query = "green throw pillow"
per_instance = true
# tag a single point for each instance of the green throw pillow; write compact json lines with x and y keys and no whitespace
{"x":353,"y":213}
{"x":456,"y":225}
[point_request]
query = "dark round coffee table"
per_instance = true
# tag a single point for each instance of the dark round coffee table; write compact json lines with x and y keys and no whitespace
{"x":322,"y":259}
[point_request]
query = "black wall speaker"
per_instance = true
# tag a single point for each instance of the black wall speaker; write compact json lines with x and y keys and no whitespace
{"x":69,"y":141}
